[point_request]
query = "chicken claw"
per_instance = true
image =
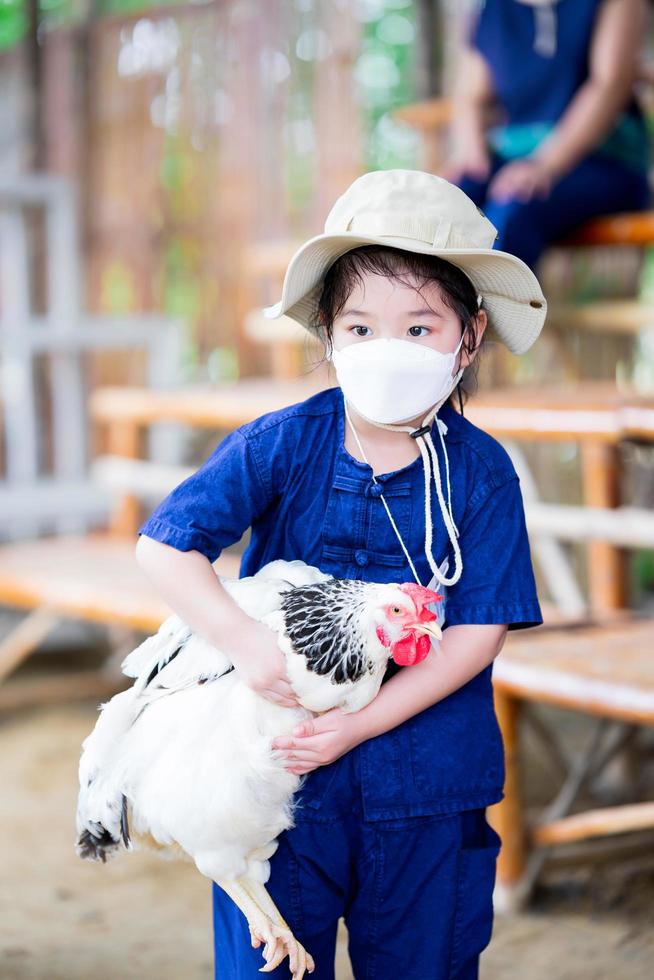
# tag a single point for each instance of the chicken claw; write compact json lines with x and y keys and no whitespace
{"x":281,"y":943}
{"x":267,"y":926}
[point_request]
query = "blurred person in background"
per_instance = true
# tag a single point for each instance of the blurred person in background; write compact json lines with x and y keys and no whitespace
{"x":571,"y":142}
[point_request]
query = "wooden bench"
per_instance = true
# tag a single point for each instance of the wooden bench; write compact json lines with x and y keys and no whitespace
{"x":93,"y":577}
{"x":606,"y":671}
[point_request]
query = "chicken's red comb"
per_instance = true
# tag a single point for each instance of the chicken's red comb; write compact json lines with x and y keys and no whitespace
{"x":420,"y":595}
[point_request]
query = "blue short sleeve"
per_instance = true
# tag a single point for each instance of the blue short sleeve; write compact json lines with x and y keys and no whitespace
{"x":497,"y":583}
{"x":213,"y":507}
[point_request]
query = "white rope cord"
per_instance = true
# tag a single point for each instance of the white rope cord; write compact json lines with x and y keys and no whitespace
{"x":383,"y":500}
{"x":442,"y":429}
{"x":452,"y":532}
{"x":429,"y":456}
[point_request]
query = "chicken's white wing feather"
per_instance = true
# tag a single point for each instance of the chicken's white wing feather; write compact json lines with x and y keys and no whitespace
{"x":257,"y":595}
{"x":158,"y":648}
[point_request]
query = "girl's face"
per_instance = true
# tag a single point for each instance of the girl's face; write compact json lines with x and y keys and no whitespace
{"x":381,"y":308}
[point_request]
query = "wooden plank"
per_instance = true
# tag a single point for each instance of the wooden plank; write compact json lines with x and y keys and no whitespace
{"x":595,"y":823}
{"x":630,"y":228}
{"x":93,"y":577}
{"x":604,"y":316}
{"x":26,"y":692}
{"x":284,"y":329}
{"x":139,"y":477}
{"x":591,"y":411}
{"x":24,"y":638}
{"x":602,"y":670}
{"x":228,"y":406}
{"x":629,"y":527}
{"x":105,"y":331}
{"x":23,"y":505}
{"x":427,"y":114}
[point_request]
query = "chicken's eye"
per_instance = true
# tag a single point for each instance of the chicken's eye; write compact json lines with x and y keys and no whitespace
{"x":396,"y":610}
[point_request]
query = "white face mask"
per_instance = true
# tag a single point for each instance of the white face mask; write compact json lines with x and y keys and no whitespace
{"x":395,"y":380}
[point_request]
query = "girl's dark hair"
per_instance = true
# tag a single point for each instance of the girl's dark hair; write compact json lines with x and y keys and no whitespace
{"x":411,"y":269}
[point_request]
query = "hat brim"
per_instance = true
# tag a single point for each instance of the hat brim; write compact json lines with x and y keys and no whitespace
{"x":512,"y":296}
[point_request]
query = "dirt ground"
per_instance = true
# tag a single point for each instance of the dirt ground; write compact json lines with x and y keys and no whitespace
{"x":142,"y":918}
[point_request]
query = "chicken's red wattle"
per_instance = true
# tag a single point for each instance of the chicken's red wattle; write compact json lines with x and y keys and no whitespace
{"x":411,"y":649}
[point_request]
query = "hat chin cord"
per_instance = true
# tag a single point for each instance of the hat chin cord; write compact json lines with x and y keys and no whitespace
{"x":431,"y":468}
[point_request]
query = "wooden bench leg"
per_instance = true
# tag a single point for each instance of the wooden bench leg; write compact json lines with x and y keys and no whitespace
{"x":607,"y":578}
{"x":507,"y":817}
{"x":24,"y":638}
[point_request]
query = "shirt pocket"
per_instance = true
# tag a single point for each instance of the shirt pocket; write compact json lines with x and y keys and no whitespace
{"x":476,"y":871}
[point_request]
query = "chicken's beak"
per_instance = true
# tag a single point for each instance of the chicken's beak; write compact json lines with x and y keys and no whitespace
{"x":430,"y":629}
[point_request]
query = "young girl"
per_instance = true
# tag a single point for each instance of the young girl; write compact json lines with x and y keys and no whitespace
{"x":381,"y":479}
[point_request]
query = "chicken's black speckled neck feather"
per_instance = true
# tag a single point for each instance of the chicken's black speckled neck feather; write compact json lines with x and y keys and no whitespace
{"x":323,"y":622}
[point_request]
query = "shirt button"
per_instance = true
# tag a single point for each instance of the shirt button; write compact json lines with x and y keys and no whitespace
{"x":361,"y":558}
{"x":376,"y":490}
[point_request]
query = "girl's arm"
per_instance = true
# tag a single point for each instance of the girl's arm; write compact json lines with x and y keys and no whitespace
{"x":464,"y":652}
{"x":188,"y":583}
{"x":612,"y":68}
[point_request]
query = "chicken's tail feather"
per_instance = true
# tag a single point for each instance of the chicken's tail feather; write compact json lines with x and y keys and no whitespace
{"x":96,"y":844}
{"x":124,"y":824}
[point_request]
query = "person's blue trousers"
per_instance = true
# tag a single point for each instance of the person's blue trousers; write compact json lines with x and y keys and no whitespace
{"x":416,"y":893}
{"x":598,"y":185}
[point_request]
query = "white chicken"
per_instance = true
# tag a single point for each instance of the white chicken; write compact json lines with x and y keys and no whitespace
{"x":183,"y":761}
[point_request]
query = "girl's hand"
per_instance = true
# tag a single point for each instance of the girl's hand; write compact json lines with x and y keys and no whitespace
{"x":521,"y":179}
{"x":318,"y":741}
{"x":262,"y":665}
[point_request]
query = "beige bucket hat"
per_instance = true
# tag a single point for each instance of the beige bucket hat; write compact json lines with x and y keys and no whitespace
{"x":419,"y":212}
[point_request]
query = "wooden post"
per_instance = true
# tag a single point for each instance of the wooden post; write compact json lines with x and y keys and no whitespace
{"x":24,"y":638}
{"x":507,"y":817}
{"x":606,"y":563}
{"x":123,"y":440}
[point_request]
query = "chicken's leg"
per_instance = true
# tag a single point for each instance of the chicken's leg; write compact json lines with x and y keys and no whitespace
{"x":267,"y":925}
{"x":263,"y":899}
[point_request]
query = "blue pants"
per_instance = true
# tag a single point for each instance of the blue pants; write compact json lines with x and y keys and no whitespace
{"x":416,"y":893}
{"x":598,"y":185}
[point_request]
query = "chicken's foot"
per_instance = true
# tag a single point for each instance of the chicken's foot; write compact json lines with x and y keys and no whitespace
{"x":267,"y":925}
{"x":263,"y":899}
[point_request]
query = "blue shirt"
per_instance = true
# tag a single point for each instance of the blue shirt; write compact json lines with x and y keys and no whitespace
{"x":288,"y":477}
{"x":535,"y":89}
